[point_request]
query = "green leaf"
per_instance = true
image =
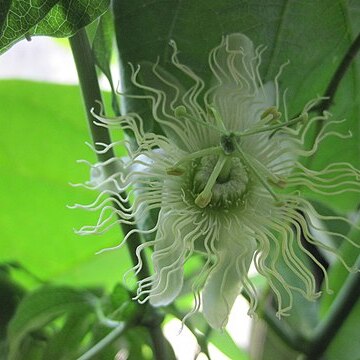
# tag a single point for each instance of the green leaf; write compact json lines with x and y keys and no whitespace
{"x":66,"y":343}
{"x":314,"y":36}
{"x":124,"y":308}
{"x":102,"y":50}
{"x":102,"y":44}
{"x":266,"y":345}
{"x":345,"y":345}
{"x":119,"y":296}
{"x":59,"y":18}
{"x":68,"y":16}
{"x":41,"y":307}
{"x":138,"y":341}
{"x":224,"y":342}
{"x":11,"y":294}
{"x":338,"y":273}
{"x":4,"y":9}
{"x":20,"y":17}
{"x":43,"y":136}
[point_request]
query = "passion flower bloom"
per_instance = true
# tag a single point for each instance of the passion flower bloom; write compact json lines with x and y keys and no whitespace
{"x":226,"y":181}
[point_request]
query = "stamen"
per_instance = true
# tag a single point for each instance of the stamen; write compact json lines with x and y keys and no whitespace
{"x":204,"y":198}
{"x":256,"y":173}
{"x":275,"y":179}
{"x":175,"y":171}
{"x":302,"y":118}
{"x":218,"y":120}
{"x":271,"y":115}
{"x":281,"y":183}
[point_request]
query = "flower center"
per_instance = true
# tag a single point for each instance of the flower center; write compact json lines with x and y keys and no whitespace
{"x":218,"y":181}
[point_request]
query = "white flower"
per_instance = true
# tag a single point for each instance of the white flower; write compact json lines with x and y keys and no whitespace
{"x":226,"y":180}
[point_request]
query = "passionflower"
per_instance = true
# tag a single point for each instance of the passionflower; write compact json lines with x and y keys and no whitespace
{"x":226,"y":180}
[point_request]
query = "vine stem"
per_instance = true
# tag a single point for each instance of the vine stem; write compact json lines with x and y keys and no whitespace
{"x":339,"y":311}
{"x":92,"y":98}
{"x":107,"y":340}
{"x":338,"y":75}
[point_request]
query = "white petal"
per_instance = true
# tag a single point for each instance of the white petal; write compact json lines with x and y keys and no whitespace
{"x":168,"y":260}
{"x":241,"y":49}
{"x":239,"y":97}
{"x":225,"y":281}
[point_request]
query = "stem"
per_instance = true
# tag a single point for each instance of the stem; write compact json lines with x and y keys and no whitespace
{"x":90,"y":89}
{"x":160,"y":344}
{"x":107,"y":340}
{"x":339,"y":311}
{"x":91,"y":95}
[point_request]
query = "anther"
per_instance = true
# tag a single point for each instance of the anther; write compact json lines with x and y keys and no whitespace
{"x":180,"y":111}
{"x":279,"y":182}
{"x":301,"y":118}
{"x":271,"y":115}
{"x":175,"y":171}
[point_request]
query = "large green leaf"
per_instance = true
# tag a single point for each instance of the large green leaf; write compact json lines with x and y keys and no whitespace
{"x":11,"y":294}
{"x":60,"y":18}
{"x":227,"y":346}
{"x":43,"y":135}
{"x":345,"y":344}
{"x":102,"y":46}
{"x":68,"y":16}
{"x":4,"y":8}
{"x":39,"y":309}
{"x":72,"y":333}
{"x":314,"y":36}
{"x":338,"y":273}
{"x":18,"y":17}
